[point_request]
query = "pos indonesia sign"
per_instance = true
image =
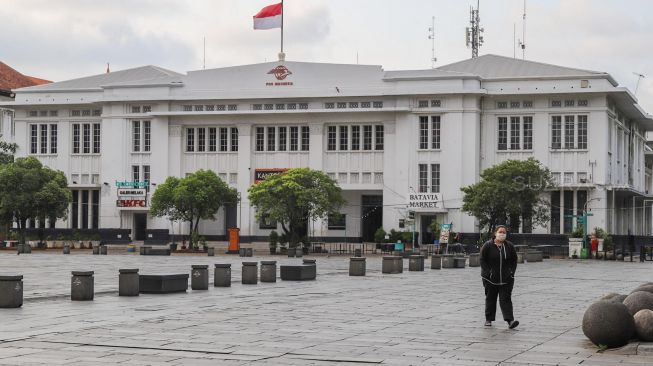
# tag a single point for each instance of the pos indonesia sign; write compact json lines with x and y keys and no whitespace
{"x":424,"y":202}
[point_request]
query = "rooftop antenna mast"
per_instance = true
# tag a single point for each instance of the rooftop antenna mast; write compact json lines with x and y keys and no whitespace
{"x":639,"y":78}
{"x":432,"y":38}
{"x":522,"y":41}
{"x":474,"y":33}
{"x":204,"y":60}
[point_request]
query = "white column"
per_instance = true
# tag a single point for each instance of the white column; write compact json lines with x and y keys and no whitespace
{"x":562,"y":211}
{"x":245,"y":173}
{"x":90,"y":210}
{"x":79,"y":209}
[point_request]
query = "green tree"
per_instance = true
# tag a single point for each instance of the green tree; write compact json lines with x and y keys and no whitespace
{"x":29,"y":190}
{"x":196,"y":197}
{"x":509,"y":193}
{"x":294,"y":198}
{"x":7,"y":151}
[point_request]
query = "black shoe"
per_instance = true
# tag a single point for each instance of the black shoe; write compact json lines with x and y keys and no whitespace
{"x":488,"y":323}
{"x":513,"y":324}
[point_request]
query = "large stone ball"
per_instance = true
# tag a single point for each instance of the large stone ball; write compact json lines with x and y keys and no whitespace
{"x":644,"y":325}
{"x":609,"y":296}
{"x":614,"y":297}
{"x":608,"y":323}
{"x":647,"y":287}
{"x":619,"y":298}
{"x":639,"y":300}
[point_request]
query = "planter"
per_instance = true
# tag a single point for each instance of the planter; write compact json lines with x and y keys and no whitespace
{"x":575,"y":245}
{"x":273,"y":250}
{"x":283,"y":250}
{"x":173,"y":247}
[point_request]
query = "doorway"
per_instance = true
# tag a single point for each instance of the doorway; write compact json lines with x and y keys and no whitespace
{"x":140,"y":226}
{"x":371,"y":216}
{"x":427,"y":232}
{"x":230,"y":217}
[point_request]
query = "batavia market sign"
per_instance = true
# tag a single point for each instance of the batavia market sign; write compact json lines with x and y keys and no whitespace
{"x":424,"y":201}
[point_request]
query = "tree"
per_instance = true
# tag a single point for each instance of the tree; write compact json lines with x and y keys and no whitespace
{"x":29,"y":190}
{"x":509,"y":193}
{"x":7,"y":151}
{"x":295,"y":197}
{"x":196,"y":197}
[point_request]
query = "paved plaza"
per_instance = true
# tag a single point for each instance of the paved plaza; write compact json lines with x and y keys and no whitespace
{"x":433,"y":317}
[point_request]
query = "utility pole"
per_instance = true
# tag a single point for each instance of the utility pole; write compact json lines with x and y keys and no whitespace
{"x":432,"y":38}
{"x":474,"y":33}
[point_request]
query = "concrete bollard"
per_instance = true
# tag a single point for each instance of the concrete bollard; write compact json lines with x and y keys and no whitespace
{"x":199,"y":277}
{"x":447,"y":260}
{"x":211,"y":251}
{"x":11,"y":291}
{"x":475,"y":260}
{"x":357,"y":253}
{"x":424,"y":253}
{"x":128,"y":281}
{"x":268,"y":271}
{"x":291,"y":252}
{"x":96,"y":249}
{"x":392,"y":264}
{"x":520,"y":257}
{"x":103,"y":250}
{"x":66,"y":249}
{"x":459,"y":262}
{"x":249,"y":273}
{"x":241,"y":252}
{"x":299,"y":252}
{"x":222,"y":275}
{"x":416,"y":263}
{"x":357,"y":266}
{"x":82,"y":286}
{"x":436,"y":261}
{"x":249,"y":252}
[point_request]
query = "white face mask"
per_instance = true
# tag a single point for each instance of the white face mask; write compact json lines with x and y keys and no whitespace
{"x":501,"y":236}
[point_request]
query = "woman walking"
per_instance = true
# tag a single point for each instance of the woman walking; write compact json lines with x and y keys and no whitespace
{"x":498,"y":266}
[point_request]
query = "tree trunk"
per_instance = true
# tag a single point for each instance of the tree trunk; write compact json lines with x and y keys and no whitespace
{"x":190,"y":234}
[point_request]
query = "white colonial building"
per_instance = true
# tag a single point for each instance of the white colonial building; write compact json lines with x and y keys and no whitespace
{"x":384,"y":136}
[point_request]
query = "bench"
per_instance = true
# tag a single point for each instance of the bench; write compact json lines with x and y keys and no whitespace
{"x":163,"y":284}
{"x":534,"y":256}
{"x":305,"y":272}
{"x":149,"y":250}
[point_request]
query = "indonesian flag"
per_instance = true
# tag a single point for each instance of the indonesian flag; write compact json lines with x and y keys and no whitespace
{"x":269,"y":17}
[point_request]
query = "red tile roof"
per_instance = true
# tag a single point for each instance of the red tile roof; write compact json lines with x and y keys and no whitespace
{"x":12,"y":79}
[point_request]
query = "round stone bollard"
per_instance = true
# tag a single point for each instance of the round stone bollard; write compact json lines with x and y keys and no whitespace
{"x":249,"y":273}
{"x":416,"y":263}
{"x":82,"y":286}
{"x":644,"y":325}
{"x":103,"y":250}
{"x":357,"y":266}
{"x":66,"y":249}
{"x":128,"y":282}
{"x":436,"y":261}
{"x":11,"y":291}
{"x":638,"y":300}
{"x":211,"y":251}
{"x":222,"y":275}
{"x":268,"y":271}
{"x":199,"y":277}
{"x":96,"y":249}
{"x":475,"y":260}
{"x":608,"y":324}
{"x":447,"y":260}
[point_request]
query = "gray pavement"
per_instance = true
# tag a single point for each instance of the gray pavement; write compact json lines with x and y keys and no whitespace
{"x":433,"y":317}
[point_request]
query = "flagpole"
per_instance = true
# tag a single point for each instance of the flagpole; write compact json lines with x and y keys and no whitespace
{"x":282,"y":56}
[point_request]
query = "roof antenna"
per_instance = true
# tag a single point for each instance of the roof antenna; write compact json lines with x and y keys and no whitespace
{"x":432,"y":38}
{"x":514,"y":40}
{"x":474,"y":32}
{"x":204,"y":61}
{"x":108,"y":71}
{"x":522,"y":42}
{"x":639,"y":78}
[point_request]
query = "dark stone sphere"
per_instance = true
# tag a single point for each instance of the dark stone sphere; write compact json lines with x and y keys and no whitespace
{"x":648,"y":287}
{"x":608,"y":323}
{"x":639,"y":300}
{"x":644,"y":325}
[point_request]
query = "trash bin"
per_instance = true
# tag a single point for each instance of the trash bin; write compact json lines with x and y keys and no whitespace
{"x":584,"y":253}
{"x":234,"y":240}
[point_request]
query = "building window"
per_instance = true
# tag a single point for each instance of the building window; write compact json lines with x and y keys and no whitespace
{"x":431,"y":130}
{"x":232,"y":107}
{"x":435,"y":178}
{"x":201,"y":139}
{"x":136,"y":134}
{"x":502,"y":105}
{"x":556,"y":103}
{"x":527,"y":104}
{"x":556,"y":132}
{"x":331,"y":138}
{"x":367,"y":137}
{"x":188,"y":108}
{"x":136,"y":109}
{"x":528,"y":132}
{"x":283,"y":138}
{"x":44,"y":139}
{"x":294,"y":138}
{"x":378,"y":137}
{"x":570,"y":103}
{"x":280,"y":106}
{"x":514,"y":133}
{"x":269,"y":106}
{"x":146,"y":174}
{"x":199,"y":108}
{"x":366,"y":105}
{"x":342,"y":105}
{"x":306,"y":138}
{"x":353,"y":104}
{"x":260,"y":139}
{"x":329,"y":105}
{"x":303,"y":105}
{"x":234,"y":139}
{"x":76,"y":139}
{"x":344,"y":138}
{"x":220,"y":107}
{"x":271,"y":139}
{"x":224,"y":139}
{"x":423,"y":132}
{"x":435,"y":132}
{"x":257,"y":107}
{"x":422,"y":104}
{"x":574,"y":133}
{"x":292,"y":106}
{"x":514,"y":104}
{"x":86,"y":138}
{"x":53,"y":138}
{"x":34,"y":139}
{"x":147,"y":135}
{"x":96,"y":139}
{"x":337,"y":222}
{"x":569,"y":132}
{"x":190,"y":139}
{"x":213,"y":139}
{"x":582,"y":103}
{"x":502,"y":133}
{"x":582,"y":132}
{"x":136,"y":174}
{"x":355,"y":138}
{"x":436,"y":103}
{"x":423,"y":178}
{"x":377,"y":104}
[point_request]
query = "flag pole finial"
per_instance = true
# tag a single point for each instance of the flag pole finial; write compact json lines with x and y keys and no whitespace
{"x":282,"y":57}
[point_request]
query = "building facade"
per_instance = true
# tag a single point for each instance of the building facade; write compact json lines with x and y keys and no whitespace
{"x":395,"y":141}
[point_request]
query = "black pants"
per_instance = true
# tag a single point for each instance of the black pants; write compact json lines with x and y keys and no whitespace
{"x":505,"y":301}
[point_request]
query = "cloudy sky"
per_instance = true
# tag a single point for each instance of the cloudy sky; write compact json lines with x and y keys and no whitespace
{"x":64,"y":39}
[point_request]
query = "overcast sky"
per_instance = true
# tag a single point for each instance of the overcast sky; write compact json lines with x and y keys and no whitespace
{"x":65,"y":39}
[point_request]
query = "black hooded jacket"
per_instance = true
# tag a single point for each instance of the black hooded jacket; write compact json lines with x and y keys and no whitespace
{"x":498,"y":265}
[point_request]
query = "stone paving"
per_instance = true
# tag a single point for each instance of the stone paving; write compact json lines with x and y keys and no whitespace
{"x":433,"y":317}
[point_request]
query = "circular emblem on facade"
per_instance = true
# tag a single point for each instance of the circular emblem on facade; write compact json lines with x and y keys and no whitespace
{"x":280,"y":72}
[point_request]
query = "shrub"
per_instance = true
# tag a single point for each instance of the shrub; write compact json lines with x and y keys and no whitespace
{"x":379,"y":235}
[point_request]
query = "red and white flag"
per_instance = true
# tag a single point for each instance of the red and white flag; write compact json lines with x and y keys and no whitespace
{"x":269,"y":17}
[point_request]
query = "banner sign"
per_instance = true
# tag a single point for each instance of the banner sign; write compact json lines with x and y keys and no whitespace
{"x":132,"y":192}
{"x":424,"y":201}
{"x":263,"y":174}
{"x":445,"y":229}
{"x":131,"y":203}
{"x":128,"y":184}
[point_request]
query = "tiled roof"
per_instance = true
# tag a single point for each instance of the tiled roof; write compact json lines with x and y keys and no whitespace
{"x":12,"y":79}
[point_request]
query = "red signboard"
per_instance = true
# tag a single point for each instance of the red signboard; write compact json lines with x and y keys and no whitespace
{"x":131,"y":203}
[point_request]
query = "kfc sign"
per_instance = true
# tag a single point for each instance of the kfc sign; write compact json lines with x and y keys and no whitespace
{"x":131,"y":203}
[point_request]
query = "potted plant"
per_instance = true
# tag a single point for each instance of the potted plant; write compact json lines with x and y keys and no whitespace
{"x":273,"y":241}
{"x":576,"y":240}
{"x":435,"y":229}
{"x":379,"y":236}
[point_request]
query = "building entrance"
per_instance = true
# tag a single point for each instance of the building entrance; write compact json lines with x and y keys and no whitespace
{"x":371,"y":216}
{"x":140,"y":225}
